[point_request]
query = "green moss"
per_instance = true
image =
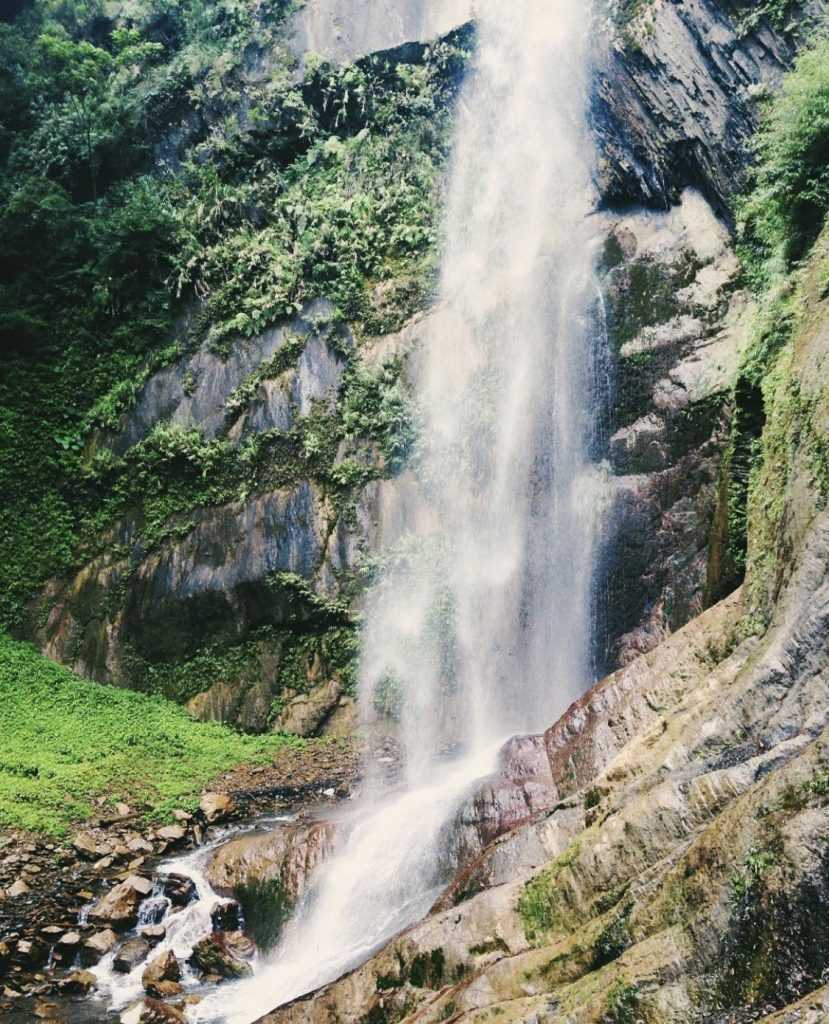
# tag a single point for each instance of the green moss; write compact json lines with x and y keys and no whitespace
{"x":266,"y":908}
{"x":427,"y":970}
{"x":67,"y":741}
{"x":622,"y":1004}
{"x":613,"y":939}
{"x":541,"y":905}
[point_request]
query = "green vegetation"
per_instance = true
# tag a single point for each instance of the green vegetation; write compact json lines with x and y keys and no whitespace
{"x":155,"y":193}
{"x":622,"y":1004}
{"x":781,"y":216}
{"x":67,"y":741}
{"x":266,"y":907}
{"x":541,"y":904}
{"x":784,"y":208}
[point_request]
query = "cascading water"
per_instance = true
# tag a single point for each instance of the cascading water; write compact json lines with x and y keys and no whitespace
{"x":481,"y":624}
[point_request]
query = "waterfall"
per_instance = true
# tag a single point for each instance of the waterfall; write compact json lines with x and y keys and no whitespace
{"x":481,"y":624}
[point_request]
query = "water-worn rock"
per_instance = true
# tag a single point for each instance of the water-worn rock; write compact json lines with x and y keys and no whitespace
{"x":213,"y":956}
{"x":179,"y":889}
{"x":216,"y":806}
{"x":159,"y":973}
{"x":130,"y":955}
{"x":79,"y":983}
{"x":152,"y":1011}
{"x":287,"y":854}
{"x":119,"y":907}
{"x":98,"y":945}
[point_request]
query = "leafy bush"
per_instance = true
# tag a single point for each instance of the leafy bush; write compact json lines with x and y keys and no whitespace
{"x":786,"y":204}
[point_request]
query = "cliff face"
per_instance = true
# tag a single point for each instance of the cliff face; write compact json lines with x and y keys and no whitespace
{"x":244,"y":609}
{"x":672,"y":862}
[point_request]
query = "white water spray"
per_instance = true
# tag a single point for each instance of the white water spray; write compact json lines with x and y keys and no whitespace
{"x":481,"y":626}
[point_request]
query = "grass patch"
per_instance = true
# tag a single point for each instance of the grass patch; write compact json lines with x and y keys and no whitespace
{"x":67,"y":741}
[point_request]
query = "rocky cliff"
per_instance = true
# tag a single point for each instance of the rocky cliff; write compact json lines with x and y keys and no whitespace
{"x":673,"y":866}
{"x":244,"y":606}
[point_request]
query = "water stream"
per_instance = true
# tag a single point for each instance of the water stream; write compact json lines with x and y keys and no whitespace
{"x":482,"y":623}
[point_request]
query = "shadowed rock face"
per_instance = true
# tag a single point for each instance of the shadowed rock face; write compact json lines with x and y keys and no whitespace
{"x":676,"y":100}
{"x":678,"y":325}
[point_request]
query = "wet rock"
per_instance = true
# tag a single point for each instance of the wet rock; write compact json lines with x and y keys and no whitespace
{"x":179,"y":889}
{"x":287,"y":854}
{"x":98,"y":945}
{"x":31,"y":952}
{"x":154,"y":933}
{"x":216,"y":806}
{"x":213,"y":956}
{"x":119,"y":907}
{"x":79,"y":983}
{"x":130,"y":955}
{"x":239,"y":944}
{"x":160,"y":973}
{"x":70,"y":940}
{"x":152,"y":1011}
{"x":227,"y":917}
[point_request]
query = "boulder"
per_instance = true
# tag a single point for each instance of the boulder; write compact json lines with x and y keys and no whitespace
{"x":130,"y":955}
{"x":214,"y":956}
{"x":163,"y":969}
{"x":151,"y":1011}
{"x":119,"y":907}
{"x":98,"y":945}
{"x":216,"y":806}
{"x":287,"y":854}
{"x":79,"y":983}
{"x":172,"y":833}
{"x":179,"y":889}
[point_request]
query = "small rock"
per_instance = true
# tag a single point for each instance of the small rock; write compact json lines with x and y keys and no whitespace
{"x":123,"y":810}
{"x":52,"y":930}
{"x":182,"y":816}
{"x":79,"y":983}
{"x":11,"y":993}
{"x":18,"y":889}
{"x":227,"y":917}
{"x":151,"y":1011}
{"x":130,"y":955}
{"x":103,"y":863}
{"x":139,"y":845}
{"x":119,"y":907}
{"x":45,"y":1011}
{"x":69,"y":940}
{"x":215,"y":806}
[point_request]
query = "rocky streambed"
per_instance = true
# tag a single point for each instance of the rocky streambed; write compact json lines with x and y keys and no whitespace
{"x":124,"y":921}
